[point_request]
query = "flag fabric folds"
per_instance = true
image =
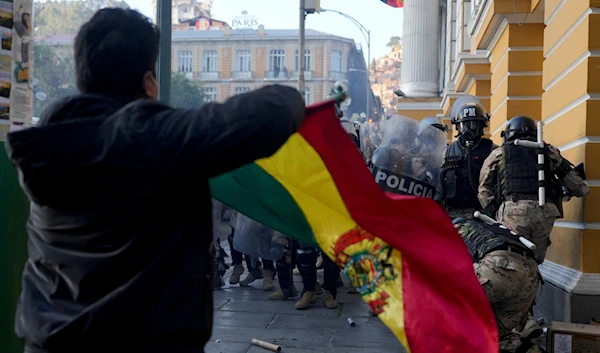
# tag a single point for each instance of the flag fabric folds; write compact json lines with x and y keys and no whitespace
{"x":394,"y":3}
{"x":402,"y":253}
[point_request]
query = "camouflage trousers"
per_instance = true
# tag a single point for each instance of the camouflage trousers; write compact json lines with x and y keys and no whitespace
{"x":530,"y":221}
{"x":510,"y":281}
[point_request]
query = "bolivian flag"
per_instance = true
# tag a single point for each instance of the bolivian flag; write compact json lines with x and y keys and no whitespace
{"x":402,"y":253}
{"x":394,"y":3}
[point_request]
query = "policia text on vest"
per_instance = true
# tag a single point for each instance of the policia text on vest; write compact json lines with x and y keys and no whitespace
{"x":400,"y":184}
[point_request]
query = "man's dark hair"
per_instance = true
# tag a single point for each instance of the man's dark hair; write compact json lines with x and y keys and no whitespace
{"x":114,"y":50}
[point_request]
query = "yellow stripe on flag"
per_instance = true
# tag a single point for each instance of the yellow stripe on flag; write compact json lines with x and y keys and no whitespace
{"x":311,"y":185}
{"x":308,"y":181}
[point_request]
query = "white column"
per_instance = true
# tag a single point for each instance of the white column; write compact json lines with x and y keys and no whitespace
{"x":421,"y":48}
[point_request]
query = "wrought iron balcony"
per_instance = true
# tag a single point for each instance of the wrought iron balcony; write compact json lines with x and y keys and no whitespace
{"x":336,"y":76}
{"x":242,"y":75}
{"x":209,"y":76}
{"x":308,"y":75}
{"x":277,"y":75}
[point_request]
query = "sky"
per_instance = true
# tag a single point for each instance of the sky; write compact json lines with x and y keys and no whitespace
{"x":381,"y":20}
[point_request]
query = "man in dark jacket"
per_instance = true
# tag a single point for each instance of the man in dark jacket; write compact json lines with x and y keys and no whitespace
{"x":120,"y":222}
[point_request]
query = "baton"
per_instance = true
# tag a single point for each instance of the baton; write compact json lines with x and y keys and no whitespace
{"x":489,"y":220}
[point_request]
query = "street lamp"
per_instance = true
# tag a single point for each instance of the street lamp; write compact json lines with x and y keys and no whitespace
{"x":367,"y":34}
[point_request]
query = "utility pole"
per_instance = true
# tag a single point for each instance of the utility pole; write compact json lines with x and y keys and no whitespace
{"x":164,"y":23}
{"x":301,"y":60}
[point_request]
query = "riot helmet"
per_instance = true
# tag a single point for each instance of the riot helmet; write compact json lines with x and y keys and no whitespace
{"x":386,"y":157}
{"x":519,"y":126}
{"x":400,"y":130}
{"x":351,"y":130}
{"x":435,"y":122}
{"x":470,"y":118}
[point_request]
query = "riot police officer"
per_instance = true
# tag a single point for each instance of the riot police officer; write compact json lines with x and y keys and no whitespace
{"x":352,"y":131}
{"x":284,"y":268}
{"x":510,"y":184}
{"x":463,"y":159}
{"x":435,"y":122}
{"x":307,"y":264}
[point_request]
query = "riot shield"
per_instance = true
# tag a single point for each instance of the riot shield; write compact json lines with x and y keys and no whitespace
{"x":409,"y":158}
{"x":217,"y":209}
{"x":462,"y":101}
{"x":257,"y":240}
{"x":370,"y":138}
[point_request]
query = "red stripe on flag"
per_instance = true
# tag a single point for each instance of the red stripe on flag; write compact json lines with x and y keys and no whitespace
{"x":446,"y":310}
{"x":394,"y":3}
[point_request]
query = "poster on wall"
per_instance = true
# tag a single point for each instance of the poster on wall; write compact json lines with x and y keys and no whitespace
{"x":20,"y":105}
{"x":6,"y":31}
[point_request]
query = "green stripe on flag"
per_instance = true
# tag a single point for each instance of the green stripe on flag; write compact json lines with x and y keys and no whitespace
{"x":254,"y":192}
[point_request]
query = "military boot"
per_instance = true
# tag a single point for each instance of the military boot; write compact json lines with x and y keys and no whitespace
{"x":246,"y":281}
{"x":280,"y":295}
{"x":532,"y":329}
{"x":267,"y":280}
{"x":307,"y":299}
{"x":219,"y":282}
{"x":329,"y":301}
{"x":235,"y":276}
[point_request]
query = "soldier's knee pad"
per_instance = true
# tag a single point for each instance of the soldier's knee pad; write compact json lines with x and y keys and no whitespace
{"x":307,"y":256}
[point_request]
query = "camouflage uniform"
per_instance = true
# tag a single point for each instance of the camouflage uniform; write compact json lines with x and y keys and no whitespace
{"x":526,"y":217}
{"x":506,"y":270}
{"x":510,"y":281}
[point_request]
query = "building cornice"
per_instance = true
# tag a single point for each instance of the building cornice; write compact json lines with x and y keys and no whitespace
{"x":479,"y":57}
{"x":435,"y":105}
{"x":498,"y":23}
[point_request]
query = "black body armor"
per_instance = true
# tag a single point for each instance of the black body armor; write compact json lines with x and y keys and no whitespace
{"x":457,"y":190}
{"x":482,"y":238}
{"x":518,"y":173}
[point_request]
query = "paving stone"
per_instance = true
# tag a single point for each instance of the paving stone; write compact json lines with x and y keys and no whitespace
{"x":282,"y":337}
{"x":306,"y":321}
{"x":276,"y":307}
{"x":242,"y":314}
{"x":226,"y":347}
{"x":242,"y":319}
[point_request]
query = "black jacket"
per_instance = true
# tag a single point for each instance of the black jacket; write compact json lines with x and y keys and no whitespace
{"x":120,"y":222}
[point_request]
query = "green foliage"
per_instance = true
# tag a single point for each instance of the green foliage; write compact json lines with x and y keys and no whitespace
{"x":54,"y":69}
{"x":54,"y":75}
{"x":186,"y":93}
{"x":394,"y":41}
{"x":373,"y":65}
{"x":53,"y":17}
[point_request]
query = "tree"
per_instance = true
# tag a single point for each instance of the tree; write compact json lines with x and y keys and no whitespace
{"x":186,"y":93}
{"x":54,"y":71}
{"x":54,"y":76}
{"x":53,"y":17}
{"x":373,"y":65}
{"x":394,"y":42}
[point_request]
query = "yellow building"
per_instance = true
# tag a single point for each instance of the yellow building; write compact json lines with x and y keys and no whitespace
{"x":231,"y":61}
{"x":538,"y":58}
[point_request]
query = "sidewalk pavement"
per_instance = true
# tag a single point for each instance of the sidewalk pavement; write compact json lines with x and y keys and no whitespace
{"x":244,"y":313}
